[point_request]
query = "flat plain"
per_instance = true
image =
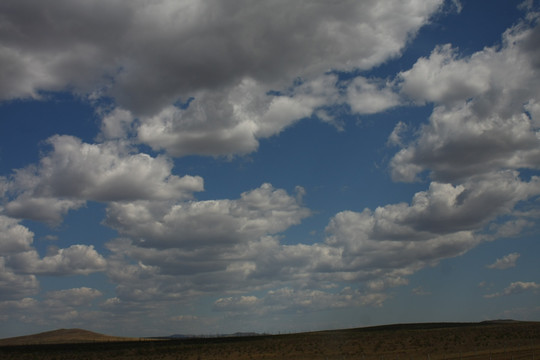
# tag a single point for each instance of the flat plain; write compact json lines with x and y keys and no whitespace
{"x":495,"y":340}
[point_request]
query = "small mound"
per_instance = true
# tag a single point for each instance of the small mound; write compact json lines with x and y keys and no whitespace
{"x":62,"y":336}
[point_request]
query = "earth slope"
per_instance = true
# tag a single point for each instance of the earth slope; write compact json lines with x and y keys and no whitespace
{"x":62,"y":336}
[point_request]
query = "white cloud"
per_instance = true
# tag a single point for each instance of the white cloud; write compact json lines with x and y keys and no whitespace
{"x":446,"y":221}
{"x":456,"y":144}
{"x":13,"y":236}
{"x":20,"y":261}
{"x":162,"y":50}
{"x":116,"y":124}
{"x":232,"y":246}
{"x":212,"y":223}
{"x":295,"y":300}
{"x":368,"y":96}
{"x":230,"y":121}
{"x":485,"y":117}
{"x":190,"y":248}
{"x":47,"y":209}
{"x":76,"y":259}
{"x":395,"y":137}
{"x":180,"y":251}
{"x":173,"y":248}
{"x":15,"y":286}
{"x":443,"y":78}
{"x":242,"y":303}
{"x":73,"y":172}
{"x":514,"y":288}
{"x":505,"y":262}
{"x":231,"y":60}
{"x":71,"y":297}
{"x":62,"y":308}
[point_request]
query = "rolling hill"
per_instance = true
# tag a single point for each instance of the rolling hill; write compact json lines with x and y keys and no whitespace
{"x":62,"y":336}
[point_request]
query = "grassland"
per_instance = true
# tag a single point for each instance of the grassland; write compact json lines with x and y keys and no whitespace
{"x":471,"y":341}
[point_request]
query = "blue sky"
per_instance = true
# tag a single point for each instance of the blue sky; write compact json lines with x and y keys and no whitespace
{"x":178,"y":167}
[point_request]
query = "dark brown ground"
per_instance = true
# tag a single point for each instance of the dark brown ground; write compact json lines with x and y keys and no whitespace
{"x":490,"y":340}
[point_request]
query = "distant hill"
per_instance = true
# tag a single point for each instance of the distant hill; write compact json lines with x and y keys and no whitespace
{"x":184,"y":336}
{"x":62,"y":336}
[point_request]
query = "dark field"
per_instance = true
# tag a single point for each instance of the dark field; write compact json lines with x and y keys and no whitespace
{"x":491,"y":340}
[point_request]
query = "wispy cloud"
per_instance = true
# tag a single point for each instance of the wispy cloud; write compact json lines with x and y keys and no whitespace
{"x":505,"y":262}
{"x":514,"y":288}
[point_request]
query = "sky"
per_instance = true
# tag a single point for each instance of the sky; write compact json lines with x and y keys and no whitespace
{"x":208,"y":167}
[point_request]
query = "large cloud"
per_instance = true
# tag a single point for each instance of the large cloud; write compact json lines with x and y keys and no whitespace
{"x":208,"y":223}
{"x":486,"y":116}
{"x":150,"y":53}
{"x":73,"y":172}
{"x":296,"y":301}
{"x":232,"y":120}
{"x":445,"y":221}
{"x":238,"y":61}
{"x":228,"y":246}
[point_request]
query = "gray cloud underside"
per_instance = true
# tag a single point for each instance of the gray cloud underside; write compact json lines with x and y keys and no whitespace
{"x":147,"y":54}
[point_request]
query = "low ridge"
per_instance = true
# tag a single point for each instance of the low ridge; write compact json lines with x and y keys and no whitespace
{"x":62,"y":336}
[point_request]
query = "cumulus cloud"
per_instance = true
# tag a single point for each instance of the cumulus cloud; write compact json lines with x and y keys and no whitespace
{"x":11,"y":307}
{"x":233,"y":245}
{"x":485,"y":117}
{"x":67,"y":308}
{"x":15,"y":286}
{"x":505,"y":262}
{"x":230,"y":121}
{"x":76,"y":259}
{"x":13,"y":236}
{"x":515,"y":288}
{"x":20,"y":262}
{"x":212,"y":79}
{"x":286,"y":300}
{"x":457,"y":144}
{"x":204,"y":246}
{"x":233,"y":68}
{"x":71,"y":297}
{"x":214,"y":223}
{"x":446,"y":221}
{"x":444,"y":78}
{"x":73,"y":172}
{"x":368,"y":96}
{"x":148,"y":54}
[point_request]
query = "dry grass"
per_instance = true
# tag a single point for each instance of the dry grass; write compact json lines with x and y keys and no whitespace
{"x":495,"y":341}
